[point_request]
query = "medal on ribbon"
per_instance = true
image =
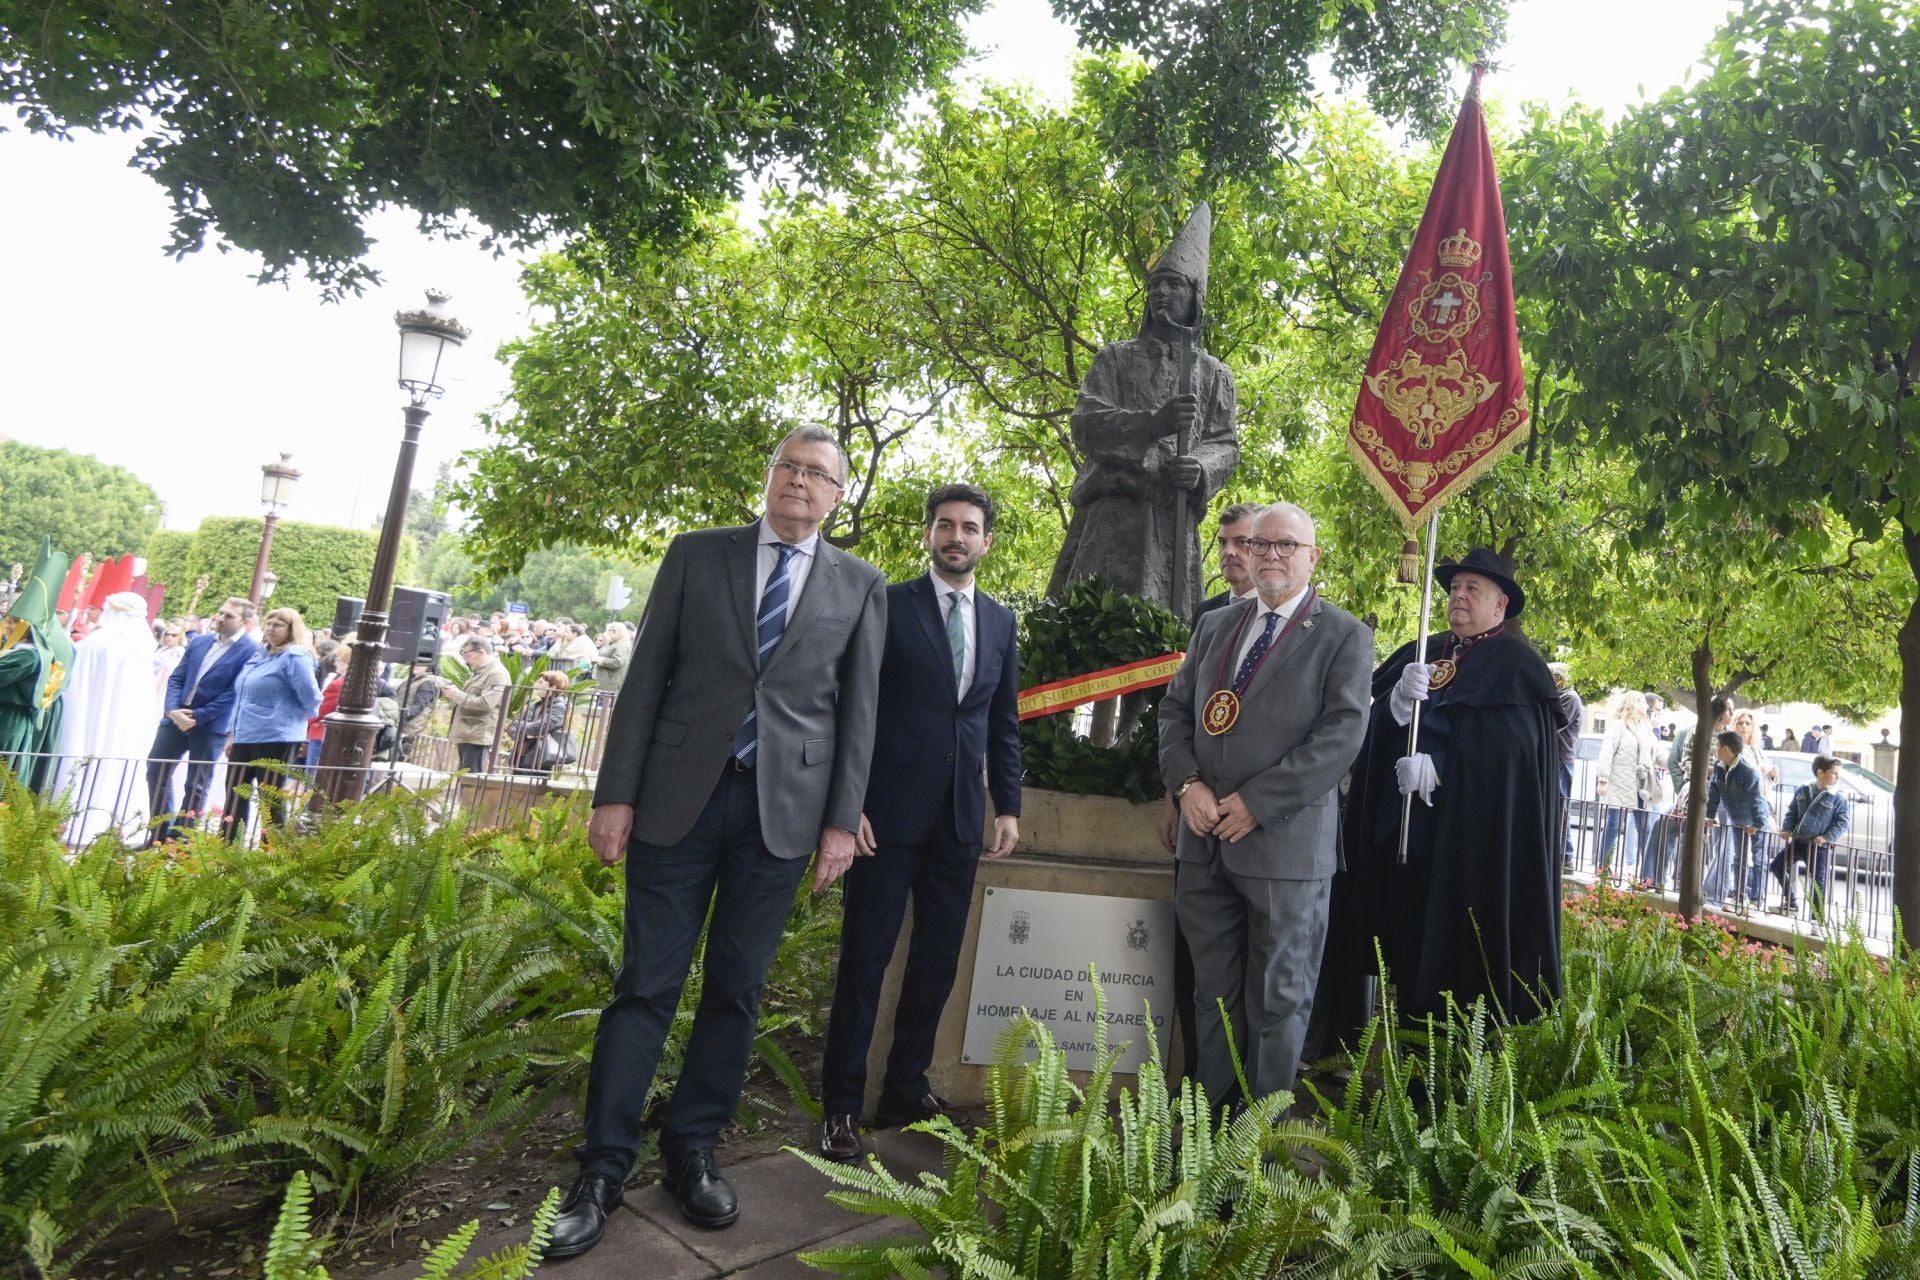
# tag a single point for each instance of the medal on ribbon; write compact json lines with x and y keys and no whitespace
{"x":1221,"y":712}
{"x":1443,"y":673}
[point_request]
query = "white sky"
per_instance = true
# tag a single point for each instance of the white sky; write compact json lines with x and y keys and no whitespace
{"x":192,"y":376}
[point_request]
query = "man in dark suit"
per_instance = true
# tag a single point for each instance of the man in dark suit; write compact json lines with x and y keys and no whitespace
{"x":1263,"y":718}
{"x":198,"y":715}
{"x":738,"y":744}
{"x":949,"y":702}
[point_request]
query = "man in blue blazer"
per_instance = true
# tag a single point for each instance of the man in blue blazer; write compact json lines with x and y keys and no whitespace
{"x":198,"y":715}
{"x":949,"y":704}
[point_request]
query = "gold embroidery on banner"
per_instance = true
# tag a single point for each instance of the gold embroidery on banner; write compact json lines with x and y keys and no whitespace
{"x":1430,"y":399}
{"x":1419,"y":475}
{"x":1447,"y":308}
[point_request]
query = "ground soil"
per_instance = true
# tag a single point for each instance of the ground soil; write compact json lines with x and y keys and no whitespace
{"x":224,"y":1234}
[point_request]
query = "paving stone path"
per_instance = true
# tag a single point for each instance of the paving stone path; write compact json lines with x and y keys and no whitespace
{"x":783,"y":1212}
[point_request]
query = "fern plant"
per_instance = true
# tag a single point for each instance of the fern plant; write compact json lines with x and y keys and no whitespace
{"x":295,"y":1253}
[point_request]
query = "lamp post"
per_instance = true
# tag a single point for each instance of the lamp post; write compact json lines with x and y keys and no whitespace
{"x":425,"y":336}
{"x":268,"y":582}
{"x":276,"y":492}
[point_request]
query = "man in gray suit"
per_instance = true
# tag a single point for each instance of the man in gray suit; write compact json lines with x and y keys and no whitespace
{"x":1265,"y":715}
{"x":738,"y":745}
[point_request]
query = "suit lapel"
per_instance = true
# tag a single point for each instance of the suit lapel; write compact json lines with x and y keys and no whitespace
{"x":926,"y":604}
{"x":1286,"y":644}
{"x":742,"y":562}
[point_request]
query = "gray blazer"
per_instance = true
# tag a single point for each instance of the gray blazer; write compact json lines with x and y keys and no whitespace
{"x":693,"y":674}
{"x":1301,"y":723}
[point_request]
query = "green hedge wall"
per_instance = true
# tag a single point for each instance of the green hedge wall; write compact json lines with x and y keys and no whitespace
{"x":316,"y":563}
{"x":168,"y":553}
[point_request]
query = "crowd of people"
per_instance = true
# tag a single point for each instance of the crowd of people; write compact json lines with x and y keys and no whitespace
{"x":215,"y":710}
{"x":1641,"y":788}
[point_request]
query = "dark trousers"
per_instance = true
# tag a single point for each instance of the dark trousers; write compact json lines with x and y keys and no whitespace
{"x":473,"y":756}
{"x":201,"y":747}
{"x":1183,"y":1002}
{"x":939,"y":874}
{"x":721,"y":862}
{"x":244,"y":773}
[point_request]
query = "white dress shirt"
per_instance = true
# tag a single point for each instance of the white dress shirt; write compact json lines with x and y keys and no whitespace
{"x":215,"y":651}
{"x":1258,"y":624}
{"x":943,"y":593}
{"x":797,"y":566}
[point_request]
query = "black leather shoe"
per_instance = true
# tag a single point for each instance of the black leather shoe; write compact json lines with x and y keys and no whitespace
{"x":583,"y":1215}
{"x":705,"y":1198}
{"x":894,"y":1112}
{"x":840,"y":1138}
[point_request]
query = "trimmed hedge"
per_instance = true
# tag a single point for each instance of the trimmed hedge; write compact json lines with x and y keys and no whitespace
{"x":315,"y":563}
{"x":168,"y":553}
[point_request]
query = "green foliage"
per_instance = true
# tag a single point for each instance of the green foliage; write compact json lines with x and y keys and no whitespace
{"x":293,"y":1252}
{"x":560,"y":581}
{"x":84,"y":504}
{"x":168,"y":553}
{"x":1053,"y":1185}
{"x":315,"y":564}
{"x":1089,"y":628}
{"x":539,"y":121}
{"x":1224,"y":73}
{"x":1696,"y":1106}
{"x":359,"y":1003}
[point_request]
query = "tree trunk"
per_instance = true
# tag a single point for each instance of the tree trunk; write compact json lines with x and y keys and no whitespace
{"x":1906,"y":796}
{"x":1694,"y":841}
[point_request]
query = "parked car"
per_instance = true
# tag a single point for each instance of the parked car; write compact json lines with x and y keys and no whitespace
{"x":1869,"y":795}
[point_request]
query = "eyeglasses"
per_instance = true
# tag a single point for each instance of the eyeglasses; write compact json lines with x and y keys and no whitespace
{"x":812,"y":475}
{"x":1282,"y":547}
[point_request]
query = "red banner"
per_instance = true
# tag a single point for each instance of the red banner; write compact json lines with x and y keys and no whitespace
{"x":1064,"y":695}
{"x":1443,"y":397}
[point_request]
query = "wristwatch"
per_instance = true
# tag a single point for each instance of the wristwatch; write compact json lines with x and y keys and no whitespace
{"x":1180,"y":791}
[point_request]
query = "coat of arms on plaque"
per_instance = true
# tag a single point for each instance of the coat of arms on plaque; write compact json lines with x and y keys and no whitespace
{"x":1019,"y":930}
{"x":1137,"y":936}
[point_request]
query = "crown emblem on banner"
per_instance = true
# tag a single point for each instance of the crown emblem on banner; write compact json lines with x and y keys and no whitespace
{"x":1459,"y":251}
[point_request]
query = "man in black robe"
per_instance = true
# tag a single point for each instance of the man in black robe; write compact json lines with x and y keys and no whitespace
{"x":1475,"y":910}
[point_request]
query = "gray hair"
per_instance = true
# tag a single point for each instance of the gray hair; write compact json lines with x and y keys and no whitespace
{"x":1297,"y":512}
{"x":484,"y":643}
{"x":813,"y":434}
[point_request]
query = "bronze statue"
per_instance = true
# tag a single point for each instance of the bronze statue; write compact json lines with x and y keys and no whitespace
{"x":1139,"y":496}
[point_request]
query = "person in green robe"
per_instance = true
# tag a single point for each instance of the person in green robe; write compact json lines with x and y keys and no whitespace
{"x":35,"y":658}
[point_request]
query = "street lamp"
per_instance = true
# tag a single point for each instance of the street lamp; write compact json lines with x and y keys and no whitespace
{"x":267,"y":583}
{"x":276,"y":493}
{"x":425,"y":337}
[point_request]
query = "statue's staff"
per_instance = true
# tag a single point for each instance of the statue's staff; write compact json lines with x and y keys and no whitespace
{"x":1182,"y":442}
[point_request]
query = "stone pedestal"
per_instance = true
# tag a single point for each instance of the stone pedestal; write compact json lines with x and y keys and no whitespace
{"x":1068,"y":844}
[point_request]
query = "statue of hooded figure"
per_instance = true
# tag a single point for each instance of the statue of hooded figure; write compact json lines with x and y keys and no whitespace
{"x":35,"y":659}
{"x":1125,"y":426}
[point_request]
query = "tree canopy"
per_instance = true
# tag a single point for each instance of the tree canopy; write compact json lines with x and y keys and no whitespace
{"x":86,"y":505}
{"x":278,"y":128}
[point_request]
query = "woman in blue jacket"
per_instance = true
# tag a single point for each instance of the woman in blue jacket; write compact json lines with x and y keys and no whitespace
{"x":1818,"y":818}
{"x":273,"y":699}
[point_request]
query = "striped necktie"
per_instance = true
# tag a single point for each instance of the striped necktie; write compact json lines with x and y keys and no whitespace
{"x":772,"y":624}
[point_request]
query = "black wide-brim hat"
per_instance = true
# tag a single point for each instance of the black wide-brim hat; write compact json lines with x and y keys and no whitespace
{"x":1488,"y":563}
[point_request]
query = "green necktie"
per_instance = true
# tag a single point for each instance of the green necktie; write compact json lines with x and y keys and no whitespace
{"x":957,"y":635}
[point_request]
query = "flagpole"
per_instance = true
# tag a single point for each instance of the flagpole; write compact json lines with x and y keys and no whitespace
{"x":1419,"y":655}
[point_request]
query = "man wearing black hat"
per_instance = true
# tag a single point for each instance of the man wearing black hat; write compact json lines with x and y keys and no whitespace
{"x":1475,"y":909}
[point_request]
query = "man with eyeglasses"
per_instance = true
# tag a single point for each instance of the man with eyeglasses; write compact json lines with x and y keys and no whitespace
{"x":738,"y":745}
{"x":1230,"y":540}
{"x":1264,"y":717}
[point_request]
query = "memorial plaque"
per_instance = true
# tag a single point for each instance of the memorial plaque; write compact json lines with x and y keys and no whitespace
{"x":1040,"y":951}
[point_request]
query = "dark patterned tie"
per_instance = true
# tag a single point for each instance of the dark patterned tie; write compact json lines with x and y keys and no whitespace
{"x":772,"y":623}
{"x":1244,"y":676}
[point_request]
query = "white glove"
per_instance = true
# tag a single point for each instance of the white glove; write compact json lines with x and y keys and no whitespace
{"x":1417,"y":776}
{"x":1414,"y":682}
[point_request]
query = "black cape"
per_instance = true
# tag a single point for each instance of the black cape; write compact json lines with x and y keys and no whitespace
{"x":1476,"y":909}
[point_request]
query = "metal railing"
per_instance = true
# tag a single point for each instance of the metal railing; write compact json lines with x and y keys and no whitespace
{"x":1824,"y":889}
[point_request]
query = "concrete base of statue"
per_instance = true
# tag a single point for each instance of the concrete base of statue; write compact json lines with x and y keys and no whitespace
{"x":1096,"y":845}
